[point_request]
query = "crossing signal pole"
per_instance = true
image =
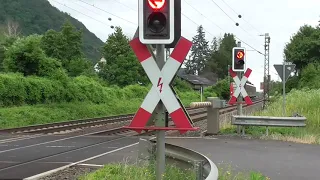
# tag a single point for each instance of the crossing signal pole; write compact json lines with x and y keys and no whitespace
{"x":160,"y":28}
{"x":239,"y":66}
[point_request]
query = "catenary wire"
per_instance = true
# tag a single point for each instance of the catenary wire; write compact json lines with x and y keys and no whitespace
{"x":241,"y":17}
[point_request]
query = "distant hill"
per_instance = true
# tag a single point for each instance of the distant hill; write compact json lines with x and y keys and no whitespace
{"x":38,"y":16}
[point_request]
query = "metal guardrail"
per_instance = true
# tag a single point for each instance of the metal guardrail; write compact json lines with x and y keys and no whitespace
{"x":268,"y":121}
{"x":184,"y":158}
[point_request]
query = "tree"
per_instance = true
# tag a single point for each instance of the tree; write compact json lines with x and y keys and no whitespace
{"x":5,"y":44}
{"x":37,"y":16}
{"x":310,"y":76}
{"x":121,"y":67}
{"x":220,"y":55}
{"x":12,"y":28}
{"x":199,"y":53}
{"x":303,"y":47}
{"x":66,"y":46}
{"x":27,"y":57}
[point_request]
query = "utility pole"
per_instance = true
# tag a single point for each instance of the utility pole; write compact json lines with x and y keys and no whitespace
{"x":167,"y":53}
{"x":229,"y":75}
{"x":266,"y":76}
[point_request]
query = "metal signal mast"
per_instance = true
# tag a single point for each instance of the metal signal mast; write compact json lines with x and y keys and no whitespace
{"x":266,"y":77}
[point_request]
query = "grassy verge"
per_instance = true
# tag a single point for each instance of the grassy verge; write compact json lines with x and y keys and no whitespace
{"x":132,"y":172}
{"x":123,"y":172}
{"x":228,"y":174}
{"x":56,"y":112}
{"x":303,"y":102}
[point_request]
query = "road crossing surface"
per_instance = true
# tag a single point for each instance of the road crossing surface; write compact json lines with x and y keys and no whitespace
{"x":276,"y":159}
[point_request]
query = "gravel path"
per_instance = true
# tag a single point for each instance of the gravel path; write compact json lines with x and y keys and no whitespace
{"x":72,"y":173}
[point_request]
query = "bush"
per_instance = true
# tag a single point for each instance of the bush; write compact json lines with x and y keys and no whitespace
{"x":111,"y":101}
{"x":181,"y":85}
{"x":209,"y":92}
{"x":18,"y":90}
{"x":26,"y":56}
{"x":304,"y":102}
{"x":310,"y":76}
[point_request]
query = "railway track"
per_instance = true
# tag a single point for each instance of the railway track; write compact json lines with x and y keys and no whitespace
{"x":197,"y":114}
{"x":112,"y":137}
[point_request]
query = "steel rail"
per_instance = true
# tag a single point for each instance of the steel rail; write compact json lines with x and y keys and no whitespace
{"x":83,"y":123}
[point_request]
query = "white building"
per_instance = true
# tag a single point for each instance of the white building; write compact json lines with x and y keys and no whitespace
{"x":102,"y":60}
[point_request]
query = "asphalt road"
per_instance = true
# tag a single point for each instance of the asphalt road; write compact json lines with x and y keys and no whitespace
{"x":25,"y":158}
{"x":275,"y":159}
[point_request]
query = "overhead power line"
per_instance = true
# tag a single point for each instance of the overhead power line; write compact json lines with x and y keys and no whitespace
{"x":241,"y":16}
{"x":82,"y":13}
{"x":196,"y":24}
{"x":135,"y":11}
{"x":223,"y":11}
{"x":203,"y":15}
{"x":219,"y":27}
{"x":125,"y":5}
{"x":109,"y":13}
{"x":236,"y":23}
{"x":136,"y":24}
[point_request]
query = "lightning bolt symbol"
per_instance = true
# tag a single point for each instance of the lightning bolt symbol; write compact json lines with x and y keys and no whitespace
{"x":160,"y":84}
{"x":153,"y":2}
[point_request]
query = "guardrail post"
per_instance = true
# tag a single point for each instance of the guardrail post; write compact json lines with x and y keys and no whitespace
{"x":146,"y":151}
{"x":213,"y":123}
{"x":198,"y":167}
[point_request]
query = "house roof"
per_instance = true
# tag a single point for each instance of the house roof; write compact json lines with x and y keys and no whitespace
{"x":194,"y":79}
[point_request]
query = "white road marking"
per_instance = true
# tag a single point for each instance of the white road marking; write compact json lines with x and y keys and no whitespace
{"x":57,"y":162}
{"x":177,"y":137}
{"x":91,"y":165}
{"x":50,"y":141}
{"x":59,"y":146}
{"x":19,"y":138}
{"x":75,"y":163}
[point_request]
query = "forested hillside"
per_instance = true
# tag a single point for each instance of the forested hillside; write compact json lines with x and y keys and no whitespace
{"x":38,"y":16}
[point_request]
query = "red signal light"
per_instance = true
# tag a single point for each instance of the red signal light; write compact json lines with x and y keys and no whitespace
{"x":156,"y":4}
{"x":240,"y":54}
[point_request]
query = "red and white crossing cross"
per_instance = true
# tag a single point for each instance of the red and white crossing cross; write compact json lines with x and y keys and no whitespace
{"x":161,"y":84}
{"x":231,"y":89}
{"x":240,"y":87}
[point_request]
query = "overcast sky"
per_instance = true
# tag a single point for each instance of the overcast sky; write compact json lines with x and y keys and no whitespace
{"x":280,"y":18}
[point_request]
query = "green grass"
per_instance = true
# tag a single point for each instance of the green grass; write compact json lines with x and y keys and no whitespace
{"x":252,"y":175}
{"x":132,"y":172}
{"x":147,"y":172}
{"x":56,"y":112}
{"x":303,"y":102}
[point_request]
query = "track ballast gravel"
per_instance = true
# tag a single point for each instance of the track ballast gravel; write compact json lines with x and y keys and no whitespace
{"x":71,"y":173}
